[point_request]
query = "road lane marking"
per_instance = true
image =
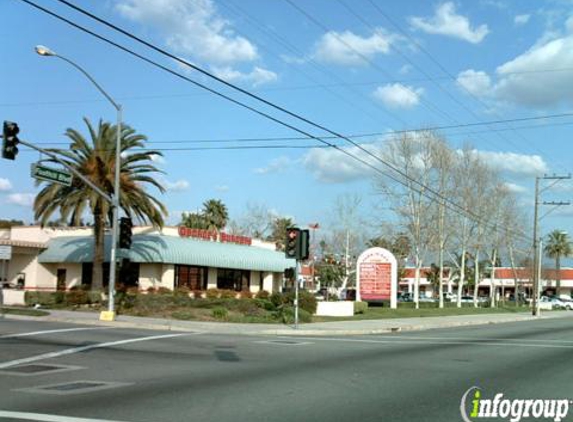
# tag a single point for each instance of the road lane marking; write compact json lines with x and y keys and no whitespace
{"x":62,"y":330}
{"x":47,"y":418}
{"x":452,"y":343}
{"x":85,"y":348}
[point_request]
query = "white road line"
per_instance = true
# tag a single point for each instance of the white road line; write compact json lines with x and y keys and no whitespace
{"x":429,"y":342}
{"x":62,"y":330}
{"x":47,"y":418}
{"x":85,"y":348}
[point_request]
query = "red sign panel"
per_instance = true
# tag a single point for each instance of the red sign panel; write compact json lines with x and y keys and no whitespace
{"x":375,"y":280}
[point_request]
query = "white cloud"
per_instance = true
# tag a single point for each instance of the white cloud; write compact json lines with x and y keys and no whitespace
{"x":525,"y":80}
{"x":276,"y":165}
{"x":332,"y":166}
{"x":21,"y":199}
{"x":510,"y":162}
{"x":398,"y":95}
{"x":178,"y":186}
{"x":258,"y":76}
{"x":191,"y":27}
{"x":347,"y":48}
{"x":5,"y":185}
{"x":475,"y":82}
{"x":447,"y":22}
{"x":512,"y":187}
{"x":521,"y":19}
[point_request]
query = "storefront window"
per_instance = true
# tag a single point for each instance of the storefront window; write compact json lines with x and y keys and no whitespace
{"x":233,"y":279}
{"x":194,"y":278}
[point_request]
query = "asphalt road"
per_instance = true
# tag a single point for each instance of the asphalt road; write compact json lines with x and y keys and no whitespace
{"x":158,"y":376}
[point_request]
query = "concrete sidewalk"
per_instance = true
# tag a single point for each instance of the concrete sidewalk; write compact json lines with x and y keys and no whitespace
{"x":338,"y":328}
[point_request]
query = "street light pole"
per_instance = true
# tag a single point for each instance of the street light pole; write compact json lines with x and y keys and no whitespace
{"x":44,"y":51}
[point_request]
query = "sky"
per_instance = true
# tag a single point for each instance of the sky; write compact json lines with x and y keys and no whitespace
{"x":361,"y":68}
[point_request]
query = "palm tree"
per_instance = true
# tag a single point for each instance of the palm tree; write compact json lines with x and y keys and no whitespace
{"x":279,"y":228}
{"x":95,"y":159}
{"x":215,"y":214}
{"x":558,"y":245}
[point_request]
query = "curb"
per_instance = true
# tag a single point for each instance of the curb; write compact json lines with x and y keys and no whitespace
{"x":168,"y":326}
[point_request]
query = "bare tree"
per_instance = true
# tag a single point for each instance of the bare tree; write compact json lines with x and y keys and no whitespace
{"x":413,"y":155}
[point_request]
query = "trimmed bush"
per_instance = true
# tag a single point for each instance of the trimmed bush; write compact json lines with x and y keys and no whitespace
{"x":265,"y":304}
{"x":198,"y":294}
{"x":213,"y":293}
{"x":43,"y":298}
{"x":278,"y":299}
{"x":151,"y":290}
{"x":228,"y":294}
{"x":220,"y":313}
{"x":360,"y":307}
{"x":182,"y":291}
{"x":263,"y":294}
{"x":245,"y":294}
{"x":77,"y":297}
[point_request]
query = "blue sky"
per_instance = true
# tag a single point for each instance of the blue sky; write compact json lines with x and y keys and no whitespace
{"x":355,"y":67}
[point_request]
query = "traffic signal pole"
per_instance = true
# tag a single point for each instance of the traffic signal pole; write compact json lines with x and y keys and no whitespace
{"x":296,"y":273}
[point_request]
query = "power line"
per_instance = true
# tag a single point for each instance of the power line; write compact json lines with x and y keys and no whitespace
{"x":385,"y":134}
{"x":424,"y":188}
{"x":442,"y":67}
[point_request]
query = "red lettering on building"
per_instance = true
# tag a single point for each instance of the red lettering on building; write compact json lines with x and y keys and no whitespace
{"x":211,"y":235}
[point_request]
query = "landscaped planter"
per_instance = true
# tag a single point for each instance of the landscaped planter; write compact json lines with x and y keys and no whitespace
{"x":343,"y":308}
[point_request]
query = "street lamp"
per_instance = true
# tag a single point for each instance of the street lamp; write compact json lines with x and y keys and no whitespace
{"x":46,"y":52}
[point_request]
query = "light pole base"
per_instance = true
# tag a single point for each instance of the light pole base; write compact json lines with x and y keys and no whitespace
{"x":107,"y":316}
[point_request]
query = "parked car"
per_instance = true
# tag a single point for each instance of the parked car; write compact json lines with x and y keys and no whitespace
{"x":567,"y":303}
{"x":552,"y":303}
{"x":467,"y":299}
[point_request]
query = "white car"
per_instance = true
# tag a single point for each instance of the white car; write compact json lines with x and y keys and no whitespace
{"x":567,"y":303}
{"x":552,"y":303}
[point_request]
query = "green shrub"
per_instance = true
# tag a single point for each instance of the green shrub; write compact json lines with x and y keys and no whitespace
{"x":306,"y":301}
{"x":249,"y":308}
{"x":228,"y":294}
{"x":278,"y":299}
{"x":213,"y":293}
{"x":360,"y":307}
{"x":59,"y":297}
{"x":263,"y":294}
{"x":265,"y":304}
{"x":220,"y":313}
{"x":43,"y":298}
{"x":94,"y":297}
{"x":77,"y":297}
{"x":286,"y":315}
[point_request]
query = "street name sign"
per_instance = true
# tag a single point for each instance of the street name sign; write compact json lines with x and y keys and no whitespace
{"x":51,"y":175}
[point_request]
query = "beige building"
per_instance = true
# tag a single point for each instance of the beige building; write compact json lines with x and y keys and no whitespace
{"x":35,"y":258}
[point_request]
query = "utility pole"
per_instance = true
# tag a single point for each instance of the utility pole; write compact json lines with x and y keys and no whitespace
{"x":537,"y":253}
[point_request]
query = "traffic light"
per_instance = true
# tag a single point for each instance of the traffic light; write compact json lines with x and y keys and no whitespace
{"x":304,"y":244}
{"x":125,"y":226}
{"x":10,"y":140}
{"x":292,"y":242}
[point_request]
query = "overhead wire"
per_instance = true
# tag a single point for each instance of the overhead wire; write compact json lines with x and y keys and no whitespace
{"x":425,"y":190}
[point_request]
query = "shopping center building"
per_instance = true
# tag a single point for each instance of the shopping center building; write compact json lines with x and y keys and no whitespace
{"x":49,"y":259}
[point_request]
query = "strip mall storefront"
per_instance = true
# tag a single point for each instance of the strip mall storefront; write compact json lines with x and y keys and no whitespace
{"x":57,"y":259}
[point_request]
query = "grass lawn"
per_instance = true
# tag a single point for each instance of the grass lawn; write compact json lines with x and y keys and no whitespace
{"x":23,"y":311}
{"x":379,"y":312}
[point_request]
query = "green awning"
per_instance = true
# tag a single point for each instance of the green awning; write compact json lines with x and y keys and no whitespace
{"x":170,"y":250}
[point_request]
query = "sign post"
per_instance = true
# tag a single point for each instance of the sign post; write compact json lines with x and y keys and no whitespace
{"x":377,"y":277}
